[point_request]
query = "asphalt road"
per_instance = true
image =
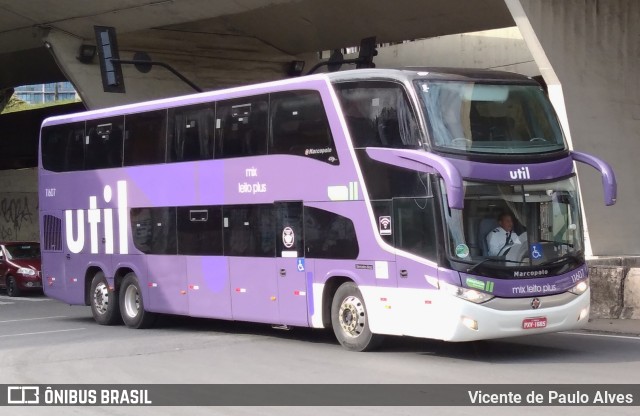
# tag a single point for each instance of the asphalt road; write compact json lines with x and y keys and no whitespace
{"x":43,"y":341}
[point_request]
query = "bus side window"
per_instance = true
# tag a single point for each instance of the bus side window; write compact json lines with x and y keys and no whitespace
{"x":63,"y":147}
{"x":249,"y":230}
{"x":329,"y":235}
{"x":378,"y":114}
{"x":200,"y":230}
{"x":104,"y":143}
{"x":154,"y":229}
{"x":386,"y":181}
{"x":145,"y":138}
{"x":299,"y":126}
{"x":191,"y":133}
{"x":414,"y":225}
{"x":241,"y":127}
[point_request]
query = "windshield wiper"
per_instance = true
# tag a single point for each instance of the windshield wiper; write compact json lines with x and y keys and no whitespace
{"x":498,"y":259}
{"x":577,"y":257}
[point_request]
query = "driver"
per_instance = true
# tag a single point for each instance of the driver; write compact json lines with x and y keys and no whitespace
{"x":502,"y":238}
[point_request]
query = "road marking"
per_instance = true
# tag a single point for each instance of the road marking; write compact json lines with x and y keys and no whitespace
{"x":6,"y":303}
{"x":43,"y":332}
{"x":586,"y":334}
{"x":32,"y":319}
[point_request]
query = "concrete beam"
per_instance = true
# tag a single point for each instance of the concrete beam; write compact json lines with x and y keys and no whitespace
{"x":239,"y":61}
{"x":29,"y":66}
{"x":282,"y":28}
{"x":500,"y":49}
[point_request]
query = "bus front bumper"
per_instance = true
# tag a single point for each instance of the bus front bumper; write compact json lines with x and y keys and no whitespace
{"x":437,"y":315}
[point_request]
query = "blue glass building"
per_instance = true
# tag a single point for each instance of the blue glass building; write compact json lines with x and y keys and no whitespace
{"x":44,"y":93}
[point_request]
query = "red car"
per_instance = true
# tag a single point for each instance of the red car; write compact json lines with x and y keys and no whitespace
{"x":20,"y":267}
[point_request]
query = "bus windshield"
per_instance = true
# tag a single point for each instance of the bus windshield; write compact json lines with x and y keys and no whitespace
{"x":507,"y":226}
{"x":476,"y":117}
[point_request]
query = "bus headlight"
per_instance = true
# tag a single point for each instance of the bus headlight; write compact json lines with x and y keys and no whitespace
{"x":471,"y":295}
{"x":580,"y":288}
{"x":25,"y":271}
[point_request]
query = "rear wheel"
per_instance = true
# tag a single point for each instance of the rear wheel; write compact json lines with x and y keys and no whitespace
{"x":132,"y":305}
{"x":104,"y":301}
{"x":12,"y":287}
{"x":350,"y":320}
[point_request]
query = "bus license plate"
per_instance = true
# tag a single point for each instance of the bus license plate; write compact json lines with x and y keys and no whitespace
{"x":533,"y":323}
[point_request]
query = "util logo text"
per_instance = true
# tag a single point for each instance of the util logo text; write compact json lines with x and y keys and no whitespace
{"x":522,"y":173}
{"x":96,"y":216}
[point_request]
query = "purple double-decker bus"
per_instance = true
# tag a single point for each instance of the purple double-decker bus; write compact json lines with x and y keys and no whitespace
{"x":436,"y":203}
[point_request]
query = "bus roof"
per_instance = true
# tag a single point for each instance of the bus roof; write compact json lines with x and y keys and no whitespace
{"x":405,"y":75}
{"x":432,"y":73}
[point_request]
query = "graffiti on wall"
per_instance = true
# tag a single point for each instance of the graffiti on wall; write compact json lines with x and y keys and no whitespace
{"x":19,"y":216}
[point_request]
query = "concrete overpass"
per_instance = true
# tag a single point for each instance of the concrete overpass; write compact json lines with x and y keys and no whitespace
{"x":215,"y":44}
{"x":588,"y":52}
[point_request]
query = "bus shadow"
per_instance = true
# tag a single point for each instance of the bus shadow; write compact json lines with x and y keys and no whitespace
{"x":29,"y":294}
{"x":545,"y":348}
{"x":194,"y":325}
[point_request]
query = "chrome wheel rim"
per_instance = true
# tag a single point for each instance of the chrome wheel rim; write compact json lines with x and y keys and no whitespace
{"x":101,"y":298}
{"x":131,"y":301}
{"x":352,"y":316}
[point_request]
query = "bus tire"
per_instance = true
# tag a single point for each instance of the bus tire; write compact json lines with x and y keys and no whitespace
{"x":103,"y":301}
{"x":350,"y":320}
{"x":12,"y":287}
{"x":132,"y":305}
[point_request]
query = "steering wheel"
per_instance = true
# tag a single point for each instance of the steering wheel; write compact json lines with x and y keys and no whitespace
{"x":537,"y":139}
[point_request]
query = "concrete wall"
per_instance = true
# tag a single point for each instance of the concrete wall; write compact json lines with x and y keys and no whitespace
{"x":19,"y":205}
{"x":615,"y":287}
{"x":593,"y":47}
{"x":500,"y":49}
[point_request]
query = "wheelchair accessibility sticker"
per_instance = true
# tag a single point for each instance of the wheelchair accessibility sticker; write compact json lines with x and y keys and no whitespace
{"x":536,"y":251}
{"x":301,"y":264}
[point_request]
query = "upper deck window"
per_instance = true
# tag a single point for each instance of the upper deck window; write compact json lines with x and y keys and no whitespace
{"x":145,"y":138}
{"x":299,"y":126}
{"x":104,"y":143}
{"x":63,"y":147}
{"x":241,"y":127}
{"x":378,"y":114}
{"x":191,"y":133}
{"x":490,"y":118}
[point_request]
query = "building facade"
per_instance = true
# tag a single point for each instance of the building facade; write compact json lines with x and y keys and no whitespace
{"x":45,"y":93}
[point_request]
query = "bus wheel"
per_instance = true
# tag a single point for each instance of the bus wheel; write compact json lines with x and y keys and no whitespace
{"x":132,"y":306}
{"x":350,"y":321}
{"x":104,"y":301}
{"x":12,"y":287}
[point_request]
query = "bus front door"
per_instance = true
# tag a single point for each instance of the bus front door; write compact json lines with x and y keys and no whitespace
{"x":290,"y":264}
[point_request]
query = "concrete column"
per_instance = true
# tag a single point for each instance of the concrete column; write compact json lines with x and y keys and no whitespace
{"x":589,"y":53}
{"x":19,"y":205}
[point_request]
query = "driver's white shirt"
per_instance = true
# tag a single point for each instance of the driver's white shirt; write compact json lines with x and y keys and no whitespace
{"x":496,"y":240}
